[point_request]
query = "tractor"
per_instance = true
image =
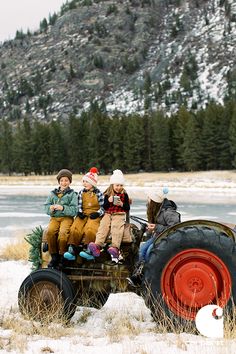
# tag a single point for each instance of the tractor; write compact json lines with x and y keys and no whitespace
{"x":191,"y":264}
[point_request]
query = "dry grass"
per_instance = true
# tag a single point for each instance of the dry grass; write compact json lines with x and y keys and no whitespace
{"x":23,"y":330}
{"x":18,"y":250}
{"x":138,"y":178}
{"x":120,"y":325}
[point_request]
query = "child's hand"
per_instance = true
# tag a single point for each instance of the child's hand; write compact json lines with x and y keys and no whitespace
{"x":58,"y":207}
{"x":52,"y":207}
{"x":110,"y":199}
{"x":119,"y":203}
{"x":151,"y":227}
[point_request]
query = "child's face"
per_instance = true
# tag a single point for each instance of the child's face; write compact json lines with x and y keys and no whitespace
{"x":87,"y":185}
{"x":64,"y":183}
{"x":118,"y":188}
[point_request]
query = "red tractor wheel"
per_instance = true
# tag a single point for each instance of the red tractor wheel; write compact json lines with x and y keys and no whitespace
{"x":191,"y":268}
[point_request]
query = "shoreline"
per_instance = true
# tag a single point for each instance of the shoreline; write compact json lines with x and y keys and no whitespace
{"x":195,"y":187}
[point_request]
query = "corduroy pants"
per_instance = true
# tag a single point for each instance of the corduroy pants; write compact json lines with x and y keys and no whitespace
{"x":111,"y":224}
{"x":58,"y":232}
{"x":83,"y":230}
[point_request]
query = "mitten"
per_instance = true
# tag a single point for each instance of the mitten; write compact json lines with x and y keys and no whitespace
{"x":81,"y":215}
{"x":94,"y":215}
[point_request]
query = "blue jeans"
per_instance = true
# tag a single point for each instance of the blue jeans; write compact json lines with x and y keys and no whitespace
{"x":145,"y":250}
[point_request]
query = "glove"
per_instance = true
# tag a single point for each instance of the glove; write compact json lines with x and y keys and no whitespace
{"x":81,"y":215}
{"x":94,"y":215}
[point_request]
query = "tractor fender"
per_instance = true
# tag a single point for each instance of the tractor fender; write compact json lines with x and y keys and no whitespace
{"x":228,"y":229}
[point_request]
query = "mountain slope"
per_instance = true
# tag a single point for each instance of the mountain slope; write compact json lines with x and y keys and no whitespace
{"x":132,"y":55}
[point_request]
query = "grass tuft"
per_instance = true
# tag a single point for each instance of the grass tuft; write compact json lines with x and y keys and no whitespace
{"x":16,"y":251}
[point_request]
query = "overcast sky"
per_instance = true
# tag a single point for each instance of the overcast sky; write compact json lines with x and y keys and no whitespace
{"x":24,"y":14}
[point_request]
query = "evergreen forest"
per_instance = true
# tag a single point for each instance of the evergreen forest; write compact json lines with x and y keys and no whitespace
{"x":184,"y":141}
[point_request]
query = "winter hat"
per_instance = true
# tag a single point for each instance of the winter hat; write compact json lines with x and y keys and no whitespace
{"x":117,"y":177}
{"x":91,"y":178}
{"x":64,"y":173}
{"x":94,"y":170}
{"x":157,"y":196}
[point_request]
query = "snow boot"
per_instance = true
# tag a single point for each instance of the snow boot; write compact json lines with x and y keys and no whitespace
{"x":54,"y":261}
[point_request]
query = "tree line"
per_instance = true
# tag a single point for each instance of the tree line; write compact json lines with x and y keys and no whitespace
{"x":184,"y":141}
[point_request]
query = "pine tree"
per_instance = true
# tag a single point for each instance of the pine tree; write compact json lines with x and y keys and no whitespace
{"x":23,"y":152}
{"x":178,"y":130}
{"x":116,"y":143}
{"x":133,"y":143}
{"x":161,"y":156}
{"x":192,"y":149}
{"x":213,"y":135}
{"x":98,"y":143}
{"x":57,"y":147}
{"x":232,"y":136}
{"x":41,"y":148}
{"x":6,"y":145}
{"x":147,"y":136}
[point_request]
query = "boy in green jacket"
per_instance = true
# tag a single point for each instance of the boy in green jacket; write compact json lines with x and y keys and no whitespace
{"x":62,"y":206}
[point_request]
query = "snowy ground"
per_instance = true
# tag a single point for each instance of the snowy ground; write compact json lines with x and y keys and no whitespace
{"x":124,"y":325}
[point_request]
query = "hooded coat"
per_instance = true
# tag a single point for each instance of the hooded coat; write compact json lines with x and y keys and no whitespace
{"x":167,"y":216}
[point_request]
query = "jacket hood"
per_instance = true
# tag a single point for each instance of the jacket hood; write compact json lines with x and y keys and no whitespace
{"x":169,"y":204}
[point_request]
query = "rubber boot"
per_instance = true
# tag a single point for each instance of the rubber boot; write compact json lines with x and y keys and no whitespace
{"x":54,"y":260}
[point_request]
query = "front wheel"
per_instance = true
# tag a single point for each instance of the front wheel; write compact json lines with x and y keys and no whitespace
{"x":191,"y":268}
{"x":47,"y":294}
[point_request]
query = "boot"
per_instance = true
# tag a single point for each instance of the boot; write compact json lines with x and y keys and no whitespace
{"x":61,"y":262}
{"x":135,"y":279}
{"x":54,"y":260}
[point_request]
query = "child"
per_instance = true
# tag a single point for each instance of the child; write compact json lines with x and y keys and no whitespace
{"x":116,"y":205}
{"x":161,"y":213}
{"x":62,"y":206}
{"x":90,"y":211}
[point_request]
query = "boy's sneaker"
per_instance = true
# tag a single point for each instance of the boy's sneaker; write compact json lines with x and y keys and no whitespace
{"x":94,"y":249}
{"x":86,"y":255}
{"x":114,"y":252}
{"x":70,"y":254}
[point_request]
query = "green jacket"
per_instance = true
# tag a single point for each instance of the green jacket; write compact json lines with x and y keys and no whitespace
{"x":68,"y":198}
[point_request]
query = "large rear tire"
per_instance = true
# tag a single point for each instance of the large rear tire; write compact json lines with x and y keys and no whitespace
{"x":47,"y":294}
{"x":192,"y":267}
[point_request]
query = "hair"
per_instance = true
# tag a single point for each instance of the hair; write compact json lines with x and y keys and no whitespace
{"x":153,"y":209}
{"x":110,"y":191}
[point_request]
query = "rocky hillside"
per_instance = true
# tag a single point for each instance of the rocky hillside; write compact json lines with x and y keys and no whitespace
{"x":132,"y":55}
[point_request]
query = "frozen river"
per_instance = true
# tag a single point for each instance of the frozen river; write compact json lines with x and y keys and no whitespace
{"x":19,"y":214}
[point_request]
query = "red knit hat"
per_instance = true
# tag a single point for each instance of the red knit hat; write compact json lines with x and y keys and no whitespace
{"x":94,"y":170}
{"x":91,"y":178}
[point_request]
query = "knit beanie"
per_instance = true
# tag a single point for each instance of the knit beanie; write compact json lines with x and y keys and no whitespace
{"x":117,"y":177}
{"x":157,"y":196}
{"x":64,"y":173}
{"x":91,"y":178}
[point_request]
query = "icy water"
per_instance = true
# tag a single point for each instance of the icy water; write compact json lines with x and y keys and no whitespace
{"x":20,"y":214}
